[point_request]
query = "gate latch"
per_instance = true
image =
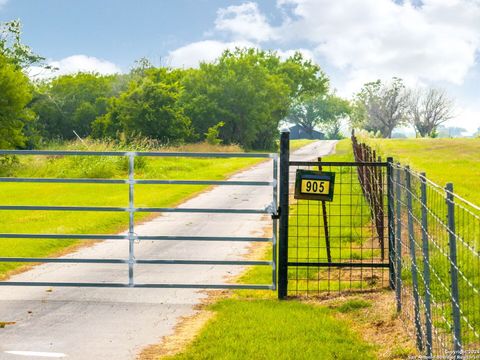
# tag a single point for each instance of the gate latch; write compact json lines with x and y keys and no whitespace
{"x":276,"y":216}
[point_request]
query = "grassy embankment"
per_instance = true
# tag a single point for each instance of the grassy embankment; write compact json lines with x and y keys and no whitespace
{"x":253,"y":324}
{"x":68,"y":222}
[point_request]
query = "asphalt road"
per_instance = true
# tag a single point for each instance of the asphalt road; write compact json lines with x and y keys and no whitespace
{"x":106,"y":323}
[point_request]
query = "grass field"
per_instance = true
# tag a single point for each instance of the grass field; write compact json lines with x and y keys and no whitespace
{"x":94,"y":195}
{"x":444,"y":160}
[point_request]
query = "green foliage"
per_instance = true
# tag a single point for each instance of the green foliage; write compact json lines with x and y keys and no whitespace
{"x":323,"y":111}
{"x":148,"y":108}
{"x":380,"y":106}
{"x":12,"y":48}
{"x":71,"y":103}
{"x":212,"y":134}
{"x":250,"y":90}
{"x":15,"y":93}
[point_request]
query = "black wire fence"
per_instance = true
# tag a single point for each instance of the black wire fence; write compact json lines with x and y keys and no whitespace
{"x":435,"y":259}
{"x":335,"y":246}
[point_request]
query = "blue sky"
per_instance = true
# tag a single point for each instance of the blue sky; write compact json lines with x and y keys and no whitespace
{"x":427,"y":43}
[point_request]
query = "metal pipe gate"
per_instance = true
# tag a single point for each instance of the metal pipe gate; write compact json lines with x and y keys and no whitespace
{"x":131,"y":236}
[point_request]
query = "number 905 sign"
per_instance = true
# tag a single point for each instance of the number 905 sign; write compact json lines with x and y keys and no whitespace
{"x":314,"y":185}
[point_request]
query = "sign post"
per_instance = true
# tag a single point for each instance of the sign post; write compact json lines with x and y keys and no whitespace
{"x":317,"y":185}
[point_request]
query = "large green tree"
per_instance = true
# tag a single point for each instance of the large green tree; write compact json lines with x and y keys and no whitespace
{"x":380,"y":107}
{"x":148,"y":108}
{"x":250,"y":91}
{"x":322,"y":111}
{"x":71,"y":103}
{"x":15,"y":87}
{"x":15,"y":94}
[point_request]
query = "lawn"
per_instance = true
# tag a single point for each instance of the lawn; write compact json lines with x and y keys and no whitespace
{"x":444,"y":160}
{"x":65,"y":222}
{"x":268,"y":329}
{"x":297,"y":144}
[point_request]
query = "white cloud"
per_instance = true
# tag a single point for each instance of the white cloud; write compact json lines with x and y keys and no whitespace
{"x":244,"y":22}
{"x":379,"y":38}
{"x":2,"y":3}
{"x":202,"y":51}
{"x":307,"y":54}
{"x":74,"y":64}
{"x":467,"y":117}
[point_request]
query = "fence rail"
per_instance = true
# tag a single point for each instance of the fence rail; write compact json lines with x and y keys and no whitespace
{"x":435,"y":259}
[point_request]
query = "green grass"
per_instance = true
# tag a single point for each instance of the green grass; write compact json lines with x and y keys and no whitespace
{"x":93,"y":195}
{"x":266,"y":329}
{"x":297,"y":144}
{"x":353,"y":305}
{"x":444,"y":160}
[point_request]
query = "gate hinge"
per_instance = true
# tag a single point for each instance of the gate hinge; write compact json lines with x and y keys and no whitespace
{"x":277,"y":215}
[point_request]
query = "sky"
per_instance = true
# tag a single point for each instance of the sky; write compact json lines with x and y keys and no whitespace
{"x":432,"y":43}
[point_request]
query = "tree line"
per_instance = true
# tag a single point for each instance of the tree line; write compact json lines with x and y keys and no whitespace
{"x":241,"y":98}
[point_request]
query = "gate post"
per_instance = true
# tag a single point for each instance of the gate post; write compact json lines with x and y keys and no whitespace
{"x":283,"y":230}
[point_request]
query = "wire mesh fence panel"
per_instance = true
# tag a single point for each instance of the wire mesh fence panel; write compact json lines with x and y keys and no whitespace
{"x":438,"y":265}
{"x":339,"y":245}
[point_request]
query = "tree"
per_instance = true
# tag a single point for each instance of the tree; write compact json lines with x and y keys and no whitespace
{"x":324,"y":112}
{"x":428,"y":109}
{"x":148,"y":108}
{"x":12,"y":47}
{"x":380,"y":107}
{"x":71,"y":103}
{"x":15,"y":93}
{"x":249,"y":90}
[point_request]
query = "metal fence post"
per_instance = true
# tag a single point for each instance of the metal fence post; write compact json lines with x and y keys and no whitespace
{"x":413,"y":259}
{"x":426,"y":265}
{"x":398,"y":241}
{"x":391,"y":223}
{"x":283,"y":229}
{"x":131,"y":219}
{"x":452,"y":242}
{"x":275,"y":222}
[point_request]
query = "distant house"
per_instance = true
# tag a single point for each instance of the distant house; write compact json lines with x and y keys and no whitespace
{"x":297,"y":132}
